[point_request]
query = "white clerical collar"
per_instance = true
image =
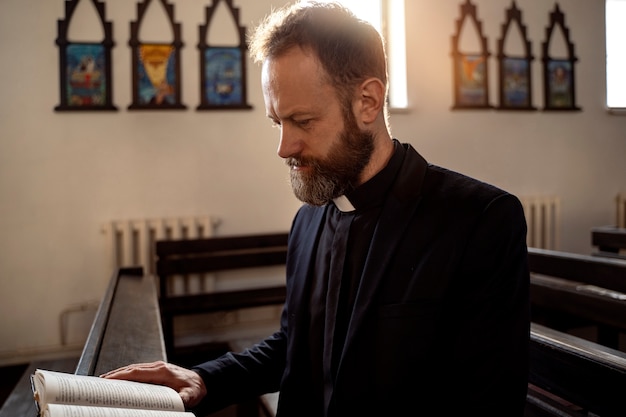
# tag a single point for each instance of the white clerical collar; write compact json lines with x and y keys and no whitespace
{"x":343,"y":204}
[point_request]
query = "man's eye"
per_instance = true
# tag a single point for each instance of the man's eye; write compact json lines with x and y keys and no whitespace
{"x":303,"y":123}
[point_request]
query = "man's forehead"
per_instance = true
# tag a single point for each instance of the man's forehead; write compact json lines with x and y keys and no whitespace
{"x":291,"y":70}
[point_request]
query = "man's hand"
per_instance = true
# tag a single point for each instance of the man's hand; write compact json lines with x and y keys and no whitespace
{"x":189,"y":385}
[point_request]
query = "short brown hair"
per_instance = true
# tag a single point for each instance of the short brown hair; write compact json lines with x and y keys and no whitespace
{"x":349,"y":49}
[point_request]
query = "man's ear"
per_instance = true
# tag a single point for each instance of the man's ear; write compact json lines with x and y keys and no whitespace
{"x":371,"y":99}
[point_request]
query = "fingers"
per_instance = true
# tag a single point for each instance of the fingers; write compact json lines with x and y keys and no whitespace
{"x":153,"y":372}
{"x":187,"y":383}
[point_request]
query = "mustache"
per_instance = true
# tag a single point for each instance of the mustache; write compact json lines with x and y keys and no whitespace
{"x":295,"y":161}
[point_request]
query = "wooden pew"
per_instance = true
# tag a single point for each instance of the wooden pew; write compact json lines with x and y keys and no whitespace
{"x":570,"y":376}
{"x":571,"y":291}
{"x":127,"y":326}
{"x":126,"y":329}
{"x":610,"y":241}
{"x":176,"y":258}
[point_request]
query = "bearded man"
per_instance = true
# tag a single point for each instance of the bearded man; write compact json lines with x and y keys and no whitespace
{"x":407,"y":284}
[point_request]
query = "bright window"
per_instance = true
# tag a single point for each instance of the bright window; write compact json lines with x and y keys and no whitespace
{"x":380,"y":13}
{"x":615,"y":54}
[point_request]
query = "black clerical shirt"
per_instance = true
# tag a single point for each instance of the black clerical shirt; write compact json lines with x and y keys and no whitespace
{"x":342,"y":249}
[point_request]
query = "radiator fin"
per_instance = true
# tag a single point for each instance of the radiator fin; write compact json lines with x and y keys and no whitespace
{"x":132,"y":243}
{"x":543,"y":221}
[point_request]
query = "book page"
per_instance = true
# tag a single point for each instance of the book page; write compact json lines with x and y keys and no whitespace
{"x":65,"y":388}
{"x":64,"y":410}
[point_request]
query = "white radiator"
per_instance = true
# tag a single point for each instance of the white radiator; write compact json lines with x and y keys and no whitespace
{"x":543,"y":221}
{"x":621,"y":209}
{"x":132,"y":243}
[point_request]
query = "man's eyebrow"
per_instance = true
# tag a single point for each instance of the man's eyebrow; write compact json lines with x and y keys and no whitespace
{"x":291,"y":116}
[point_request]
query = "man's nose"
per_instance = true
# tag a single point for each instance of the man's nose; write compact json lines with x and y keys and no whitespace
{"x":289,"y":144}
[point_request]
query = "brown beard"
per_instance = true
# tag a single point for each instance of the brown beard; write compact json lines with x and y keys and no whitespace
{"x":339,"y":172}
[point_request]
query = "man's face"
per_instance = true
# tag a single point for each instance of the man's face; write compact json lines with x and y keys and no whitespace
{"x":319,"y":139}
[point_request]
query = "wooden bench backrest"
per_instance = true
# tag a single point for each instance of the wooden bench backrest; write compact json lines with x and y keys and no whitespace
{"x":583,"y":373}
{"x":570,"y":291}
{"x":191,"y":256}
{"x":197,"y":256}
{"x":602,"y":272}
{"x":610,"y":241}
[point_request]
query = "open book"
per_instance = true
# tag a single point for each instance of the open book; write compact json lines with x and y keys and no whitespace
{"x":59,"y":394}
